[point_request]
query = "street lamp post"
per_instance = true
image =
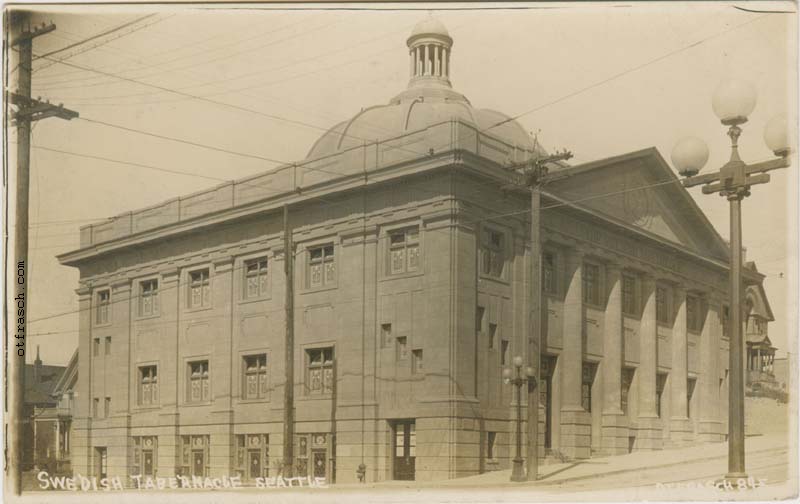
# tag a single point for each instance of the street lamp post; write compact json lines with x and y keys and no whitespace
{"x":517,"y":470}
{"x":732,"y":103}
{"x":531,"y":176}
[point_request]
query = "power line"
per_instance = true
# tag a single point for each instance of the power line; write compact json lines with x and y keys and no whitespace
{"x":180,"y":140}
{"x":102,"y":43}
{"x":226,"y":56}
{"x":93,"y":37}
{"x":625,"y":72}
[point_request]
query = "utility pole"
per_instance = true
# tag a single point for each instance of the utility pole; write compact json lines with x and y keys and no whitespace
{"x":288,"y":391}
{"x":28,"y":111}
{"x":534,"y":175}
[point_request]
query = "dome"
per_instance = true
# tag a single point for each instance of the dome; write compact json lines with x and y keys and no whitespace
{"x":430,"y":26}
{"x":428,"y":100}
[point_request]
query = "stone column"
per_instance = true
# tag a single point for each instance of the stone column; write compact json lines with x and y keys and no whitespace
{"x":576,"y":422}
{"x":425,"y":64}
{"x":680,"y":428}
{"x":648,"y":425}
{"x":614,"y":423}
{"x":709,"y":425}
{"x":444,"y":62}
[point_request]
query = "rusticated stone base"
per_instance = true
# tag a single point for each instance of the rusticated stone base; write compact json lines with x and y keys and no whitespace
{"x":649,"y":434}
{"x":576,"y":433}
{"x":680,"y":432}
{"x":614,"y":433}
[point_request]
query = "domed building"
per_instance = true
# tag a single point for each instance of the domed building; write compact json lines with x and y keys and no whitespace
{"x":378,"y":349}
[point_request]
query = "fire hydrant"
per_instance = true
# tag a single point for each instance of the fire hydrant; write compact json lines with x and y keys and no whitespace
{"x":361,"y":472}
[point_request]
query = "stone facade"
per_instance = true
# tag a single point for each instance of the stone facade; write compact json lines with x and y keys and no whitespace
{"x":411,"y":274}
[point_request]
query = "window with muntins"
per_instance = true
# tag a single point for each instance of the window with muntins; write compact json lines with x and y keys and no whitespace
{"x":255,"y":376}
{"x":629,"y":304}
{"x":148,"y":298}
{"x":662,"y":305}
{"x":693,"y":320}
{"x":319,"y":371}
{"x":493,"y":253}
{"x":255,"y":278}
{"x":321,"y":266}
{"x":404,"y":251}
{"x":103,"y":307}
{"x":591,"y":284}
{"x":199,"y":387}
{"x":148,"y":385}
{"x":199,"y":289}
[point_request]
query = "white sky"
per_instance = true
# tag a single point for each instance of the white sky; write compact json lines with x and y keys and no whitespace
{"x":568,"y":62}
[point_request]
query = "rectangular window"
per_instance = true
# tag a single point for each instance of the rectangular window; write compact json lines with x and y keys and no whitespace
{"x":103,"y":307}
{"x":504,"y":349}
{"x":107,"y":408}
{"x":148,"y":298}
{"x":321,"y":266}
{"x":108,"y":345}
{"x":549,"y":284}
{"x":586,"y":385}
{"x":402,"y":347}
{"x":199,"y":387}
{"x":148,"y":385}
{"x":693,"y":321}
{"x":661,"y":380}
{"x":386,"y":334}
{"x":479,"y":313}
{"x":96,"y":407}
{"x":492,"y":335}
{"x":417,"y":363}
{"x":199,"y":289}
{"x":319,"y":371}
{"x":726,"y":314}
{"x":255,"y":278}
{"x":252,"y":456}
{"x":627,"y":380}
{"x":690,"y":383}
{"x":255,"y":377}
{"x":491,"y":440}
{"x":662,"y":305}
{"x":96,"y":347}
{"x":591,"y":284}
{"x":493,"y":253}
{"x":629,"y":304}
{"x":404,"y":251}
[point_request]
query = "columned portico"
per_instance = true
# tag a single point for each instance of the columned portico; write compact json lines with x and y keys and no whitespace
{"x":680,"y":428}
{"x":614,"y":423}
{"x":648,"y":424}
{"x":575,"y":421}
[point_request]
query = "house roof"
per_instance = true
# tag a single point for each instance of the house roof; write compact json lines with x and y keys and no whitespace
{"x":68,"y":378}
{"x":39,"y":391}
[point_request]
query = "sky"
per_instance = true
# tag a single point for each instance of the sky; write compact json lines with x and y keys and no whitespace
{"x":600,"y":80}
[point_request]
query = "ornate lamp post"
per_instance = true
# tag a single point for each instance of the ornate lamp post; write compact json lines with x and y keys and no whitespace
{"x":517,"y":470}
{"x":732,"y":103}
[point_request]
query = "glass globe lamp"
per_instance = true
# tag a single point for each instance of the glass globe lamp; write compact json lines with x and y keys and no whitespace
{"x":733,"y":101}
{"x":506,"y":375}
{"x":776,"y":135}
{"x":518,"y":361}
{"x":689,"y":156}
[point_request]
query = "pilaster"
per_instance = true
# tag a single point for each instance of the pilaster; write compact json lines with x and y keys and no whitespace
{"x":614,"y":425}
{"x":648,"y":424}
{"x":680,"y":428}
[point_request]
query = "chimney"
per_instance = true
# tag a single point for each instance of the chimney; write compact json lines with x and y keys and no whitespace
{"x":37,"y":367}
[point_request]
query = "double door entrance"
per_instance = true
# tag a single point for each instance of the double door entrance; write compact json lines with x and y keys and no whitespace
{"x":404,"y":448}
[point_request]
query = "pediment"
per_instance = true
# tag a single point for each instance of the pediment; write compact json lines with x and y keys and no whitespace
{"x":640,"y":190}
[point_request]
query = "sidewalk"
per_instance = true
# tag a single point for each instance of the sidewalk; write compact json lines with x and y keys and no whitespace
{"x":557,"y":474}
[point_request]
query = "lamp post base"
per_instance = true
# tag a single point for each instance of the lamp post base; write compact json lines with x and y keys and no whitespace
{"x":517,"y":471}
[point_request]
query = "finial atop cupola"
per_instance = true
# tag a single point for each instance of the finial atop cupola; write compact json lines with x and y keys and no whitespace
{"x":429,"y":53}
